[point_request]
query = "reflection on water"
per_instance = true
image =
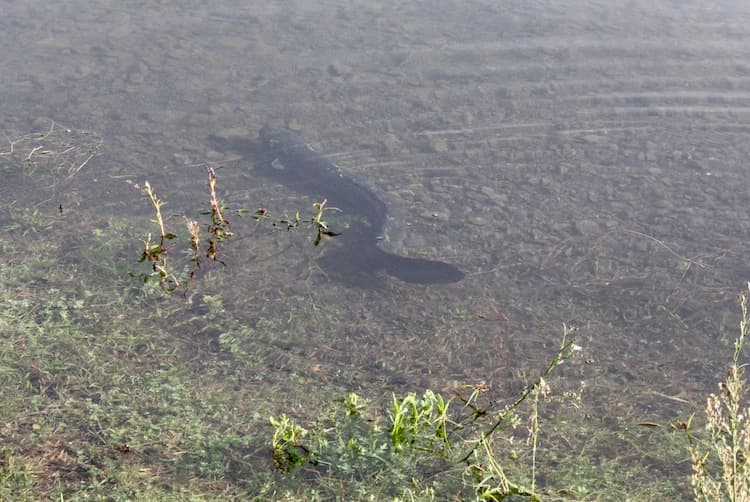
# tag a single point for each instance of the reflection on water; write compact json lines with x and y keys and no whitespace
{"x":583,"y":162}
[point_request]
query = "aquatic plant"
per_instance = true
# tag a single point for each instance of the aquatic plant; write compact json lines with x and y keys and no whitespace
{"x":156,"y":251}
{"x":421,"y":431}
{"x":721,"y":461}
{"x":316,"y":221}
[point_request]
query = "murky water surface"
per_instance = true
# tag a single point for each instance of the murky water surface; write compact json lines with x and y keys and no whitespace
{"x":582,"y":162}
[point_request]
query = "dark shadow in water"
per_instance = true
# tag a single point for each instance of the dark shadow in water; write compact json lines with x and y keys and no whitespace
{"x":282,"y":155}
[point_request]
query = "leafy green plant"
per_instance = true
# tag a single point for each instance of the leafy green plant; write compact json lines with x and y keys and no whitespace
{"x":420,"y":423}
{"x":156,"y":251}
{"x":219,"y":226}
{"x":421,"y":430}
{"x":288,"y":451}
{"x":354,"y":405}
{"x":320,"y":226}
{"x":347,"y":447}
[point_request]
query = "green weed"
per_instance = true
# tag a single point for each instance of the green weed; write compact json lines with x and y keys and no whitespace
{"x":425,"y":438}
{"x":420,"y":423}
{"x":288,"y":451}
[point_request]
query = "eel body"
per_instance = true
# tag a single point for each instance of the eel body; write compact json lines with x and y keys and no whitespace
{"x":284,"y":156}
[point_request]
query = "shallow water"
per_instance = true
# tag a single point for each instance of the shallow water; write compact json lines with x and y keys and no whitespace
{"x":582,"y":162}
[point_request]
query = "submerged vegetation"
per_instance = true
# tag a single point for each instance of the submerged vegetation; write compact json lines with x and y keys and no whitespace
{"x":156,"y":252}
{"x":113,"y":390}
{"x":425,"y":437}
